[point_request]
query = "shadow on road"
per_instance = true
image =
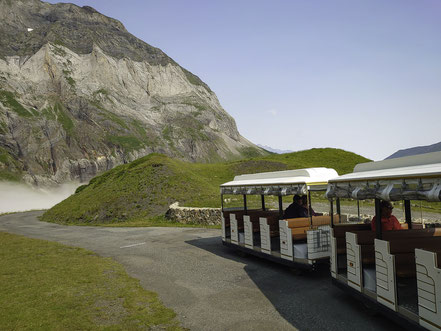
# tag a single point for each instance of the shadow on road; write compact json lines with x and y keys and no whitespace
{"x":307,"y":300}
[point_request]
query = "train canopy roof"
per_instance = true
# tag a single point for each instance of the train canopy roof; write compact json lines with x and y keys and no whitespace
{"x":416,"y":177}
{"x":280,"y":182}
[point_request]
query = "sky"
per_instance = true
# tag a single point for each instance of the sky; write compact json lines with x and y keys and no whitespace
{"x":360,"y":75}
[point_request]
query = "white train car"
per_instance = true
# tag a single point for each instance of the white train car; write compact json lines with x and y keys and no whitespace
{"x":398,"y":271}
{"x":264,"y":232}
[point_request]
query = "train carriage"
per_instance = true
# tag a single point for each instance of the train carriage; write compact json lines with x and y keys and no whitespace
{"x":264,"y":232}
{"x":398,"y":271}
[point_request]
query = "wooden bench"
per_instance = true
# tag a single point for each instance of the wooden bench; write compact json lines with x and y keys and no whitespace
{"x":229,"y":224}
{"x":294,"y":231}
{"x":252,"y":226}
{"x":415,"y":226}
{"x":338,"y":244}
{"x":226,"y":225}
{"x":226,"y":214}
{"x":234,"y":219}
{"x":299,"y":226}
{"x":360,"y":251}
{"x":255,"y":215}
{"x":395,"y":257}
{"x":269,"y":228}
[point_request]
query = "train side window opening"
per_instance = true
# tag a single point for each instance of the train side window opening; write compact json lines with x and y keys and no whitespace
{"x":251,"y":201}
{"x":319,"y":203}
{"x":354,"y":211}
{"x":426,"y":213}
{"x":232,"y":202}
{"x":254,"y":201}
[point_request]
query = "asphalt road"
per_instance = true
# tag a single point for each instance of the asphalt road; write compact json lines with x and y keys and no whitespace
{"x":211,"y":287}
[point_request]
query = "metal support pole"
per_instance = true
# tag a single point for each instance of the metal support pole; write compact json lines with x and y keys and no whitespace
{"x":358,"y":209}
{"x":280,"y":208}
{"x":338,"y":207}
{"x":309,"y":208}
{"x":245,"y":204}
{"x":408,"y":213}
{"x":222,"y":202}
{"x":332,"y":213}
{"x":378,"y":226}
{"x":263,"y":202}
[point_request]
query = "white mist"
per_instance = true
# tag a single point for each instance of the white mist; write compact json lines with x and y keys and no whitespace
{"x":19,"y":197}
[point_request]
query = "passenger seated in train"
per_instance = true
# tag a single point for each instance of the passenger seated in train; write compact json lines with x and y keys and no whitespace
{"x":388,"y":221}
{"x":305,"y":205}
{"x":295,"y":209}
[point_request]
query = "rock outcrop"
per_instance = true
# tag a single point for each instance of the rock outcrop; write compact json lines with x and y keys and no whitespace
{"x":80,"y":95}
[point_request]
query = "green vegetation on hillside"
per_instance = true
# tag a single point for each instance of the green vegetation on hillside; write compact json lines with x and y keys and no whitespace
{"x":146,"y":187}
{"x":58,"y":113}
{"x":8,"y":99}
{"x":141,"y":189}
{"x":343,"y":162}
{"x":48,"y":286}
{"x":68,"y":77}
{"x":63,"y":118}
{"x":9,"y":167}
{"x":129,"y":143}
{"x":3,"y":127}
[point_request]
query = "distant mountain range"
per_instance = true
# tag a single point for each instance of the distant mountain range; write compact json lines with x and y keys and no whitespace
{"x":275,"y":150}
{"x":416,"y":150}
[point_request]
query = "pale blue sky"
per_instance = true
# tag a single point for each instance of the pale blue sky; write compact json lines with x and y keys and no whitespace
{"x":364,"y":76}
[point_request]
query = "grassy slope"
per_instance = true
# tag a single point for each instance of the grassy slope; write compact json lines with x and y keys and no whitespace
{"x":41,"y":291}
{"x":146,"y":187}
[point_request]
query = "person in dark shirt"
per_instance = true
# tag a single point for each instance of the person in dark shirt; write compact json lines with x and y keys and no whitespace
{"x":295,"y":209}
{"x":305,"y":205}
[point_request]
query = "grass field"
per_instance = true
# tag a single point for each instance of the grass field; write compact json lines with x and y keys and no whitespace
{"x":48,"y":286}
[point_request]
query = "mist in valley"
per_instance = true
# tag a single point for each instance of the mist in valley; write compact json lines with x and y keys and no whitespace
{"x":20,"y":197}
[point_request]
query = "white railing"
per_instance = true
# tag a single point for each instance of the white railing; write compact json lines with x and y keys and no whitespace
{"x":265,"y":236}
{"x":385,"y":275}
{"x":429,"y":289}
{"x":353,"y":257}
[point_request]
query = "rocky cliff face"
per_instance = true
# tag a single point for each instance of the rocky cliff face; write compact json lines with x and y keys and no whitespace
{"x":80,"y":95}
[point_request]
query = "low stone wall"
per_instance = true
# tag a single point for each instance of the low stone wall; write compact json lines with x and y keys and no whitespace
{"x":188,"y":215}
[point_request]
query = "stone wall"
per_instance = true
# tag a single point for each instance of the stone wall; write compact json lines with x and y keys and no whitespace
{"x":189,"y":215}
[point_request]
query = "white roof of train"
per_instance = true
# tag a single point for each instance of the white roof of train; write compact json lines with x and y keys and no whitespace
{"x":415,"y":166}
{"x":308,"y":176}
{"x":416,"y":177}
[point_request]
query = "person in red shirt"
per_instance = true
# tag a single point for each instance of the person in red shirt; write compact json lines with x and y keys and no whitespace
{"x":388,"y":221}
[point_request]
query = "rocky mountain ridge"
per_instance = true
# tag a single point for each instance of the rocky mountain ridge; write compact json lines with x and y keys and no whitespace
{"x":80,"y":95}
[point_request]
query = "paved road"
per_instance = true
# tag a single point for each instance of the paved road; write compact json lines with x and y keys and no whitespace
{"x":210,"y":286}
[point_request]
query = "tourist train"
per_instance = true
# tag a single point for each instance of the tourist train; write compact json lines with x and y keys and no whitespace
{"x":395,"y":271}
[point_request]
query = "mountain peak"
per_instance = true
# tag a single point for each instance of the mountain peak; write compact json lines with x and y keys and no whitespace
{"x":80,"y":95}
{"x":77,"y":28}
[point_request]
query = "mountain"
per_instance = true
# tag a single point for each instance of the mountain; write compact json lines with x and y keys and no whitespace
{"x":79,"y":95}
{"x":144,"y":189}
{"x":416,"y":150}
{"x":274,"y":150}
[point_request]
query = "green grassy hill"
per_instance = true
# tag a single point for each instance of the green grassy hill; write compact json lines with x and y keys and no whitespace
{"x":146,"y":187}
